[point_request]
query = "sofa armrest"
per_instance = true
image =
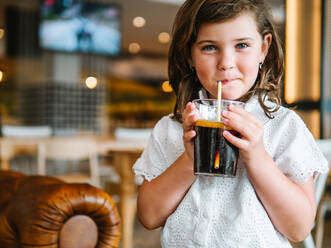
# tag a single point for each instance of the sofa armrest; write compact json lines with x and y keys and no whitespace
{"x":40,"y":207}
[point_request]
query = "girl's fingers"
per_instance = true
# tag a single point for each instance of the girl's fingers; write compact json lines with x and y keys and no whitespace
{"x":189,"y":117}
{"x":242,"y":121}
{"x":188,"y":109}
{"x":188,"y":136}
{"x":188,"y":122}
{"x":234,"y":140}
{"x":248,"y":126}
{"x":244,"y":113}
{"x":236,"y":122}
{"x":246,"y":129}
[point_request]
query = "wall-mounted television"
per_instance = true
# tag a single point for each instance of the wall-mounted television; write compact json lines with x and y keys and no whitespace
{"x":80,"y":26}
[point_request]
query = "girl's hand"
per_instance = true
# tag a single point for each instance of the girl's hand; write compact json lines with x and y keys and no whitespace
{"x":189,"y":118}
{"x":250,"y":128}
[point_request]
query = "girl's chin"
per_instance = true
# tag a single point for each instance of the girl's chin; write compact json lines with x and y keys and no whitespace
{"x":231,"y":98}
{"x":231,"y":95}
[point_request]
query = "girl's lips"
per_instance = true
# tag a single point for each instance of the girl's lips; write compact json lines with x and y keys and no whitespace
{"x":226,"y":81}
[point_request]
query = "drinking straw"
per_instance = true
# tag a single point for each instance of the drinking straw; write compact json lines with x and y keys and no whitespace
{"x":219,"y":100}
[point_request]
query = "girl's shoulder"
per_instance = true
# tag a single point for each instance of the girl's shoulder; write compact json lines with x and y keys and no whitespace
{"x":167,"y":127}
{"x":167,"y":122}
{"x":285,"y":114}
{"x":286,"y":123}
{"x":280,"y":115}
{"x":293,"y":146}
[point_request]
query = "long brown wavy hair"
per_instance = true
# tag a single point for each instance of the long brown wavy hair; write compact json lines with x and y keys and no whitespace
{"x":190,"y":17}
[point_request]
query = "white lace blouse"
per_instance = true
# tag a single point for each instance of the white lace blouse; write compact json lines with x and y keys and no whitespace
{"x":226,"y":212}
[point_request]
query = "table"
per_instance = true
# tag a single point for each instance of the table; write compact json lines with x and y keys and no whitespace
{"x":125,"y":153}
{"x":9,"y":147}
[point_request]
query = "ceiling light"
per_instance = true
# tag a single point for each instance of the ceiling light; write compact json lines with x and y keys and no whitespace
{"x":164,"y":37}
{"x":139,"y":22}
{"x":2,"y":33}
{"x":91,"y":82}
{"x":134,"y":47}
{"x":166,"y":87}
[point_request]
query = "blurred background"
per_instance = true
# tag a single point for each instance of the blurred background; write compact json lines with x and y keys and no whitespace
{"x":72,"y":68}
{"x":84,"y":66}
{"x":89,"y":66}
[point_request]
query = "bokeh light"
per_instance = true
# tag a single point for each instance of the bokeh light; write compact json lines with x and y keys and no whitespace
{"x":164,"y":37}
{"x":1,"y":76}
{"x":134,"y":48}
{"x":166,"y":87}
{"x":139,"y":22}
{"x":2,"y":33}
{"x":91,"y":82}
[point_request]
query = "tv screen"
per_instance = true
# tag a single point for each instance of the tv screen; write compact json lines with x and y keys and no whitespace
{"x":79,"y":26}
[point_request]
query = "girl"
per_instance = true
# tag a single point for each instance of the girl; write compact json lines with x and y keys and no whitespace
{"x":272,"y":197}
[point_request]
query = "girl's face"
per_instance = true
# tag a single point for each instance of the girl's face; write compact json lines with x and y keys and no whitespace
{"x":230,"y":52}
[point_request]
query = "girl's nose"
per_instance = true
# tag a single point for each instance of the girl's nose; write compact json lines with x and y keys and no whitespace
{"x":225,"y":61}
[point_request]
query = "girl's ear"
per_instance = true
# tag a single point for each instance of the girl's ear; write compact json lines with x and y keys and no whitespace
{"x":266,"y":42}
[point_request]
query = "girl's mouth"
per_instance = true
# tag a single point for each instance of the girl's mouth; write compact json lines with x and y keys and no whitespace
{"x":226,"y":81}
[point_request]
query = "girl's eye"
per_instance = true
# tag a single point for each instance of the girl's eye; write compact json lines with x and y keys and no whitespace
{"x":208,"y":48}
{"x":241,"y":45}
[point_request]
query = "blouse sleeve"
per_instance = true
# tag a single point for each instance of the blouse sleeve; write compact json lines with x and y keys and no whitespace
{"x":152,"y":162}
{"x":298,"y":155}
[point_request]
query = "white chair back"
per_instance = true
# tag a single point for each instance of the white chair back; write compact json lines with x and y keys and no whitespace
{"x":70,"y":148}
{"x":26,"y":131}
{"x":122,"y":133}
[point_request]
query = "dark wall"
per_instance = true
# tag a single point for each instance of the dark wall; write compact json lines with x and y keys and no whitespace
{"x":22,"y":32}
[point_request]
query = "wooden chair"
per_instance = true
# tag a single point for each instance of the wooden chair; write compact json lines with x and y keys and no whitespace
{"x":70,"y":149}
{"x":20,"y":140}
{"x":128,"y":196}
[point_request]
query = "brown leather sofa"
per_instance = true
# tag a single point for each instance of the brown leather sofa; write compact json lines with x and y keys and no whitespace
{"x":44,"y":212}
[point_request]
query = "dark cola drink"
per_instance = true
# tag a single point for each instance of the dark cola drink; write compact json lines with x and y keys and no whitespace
{"x":213,"y":154}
